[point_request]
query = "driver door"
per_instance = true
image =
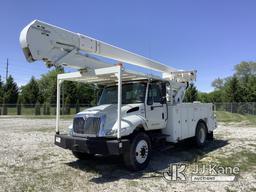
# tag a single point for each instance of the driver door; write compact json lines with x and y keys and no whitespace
{"x":156,"y":109}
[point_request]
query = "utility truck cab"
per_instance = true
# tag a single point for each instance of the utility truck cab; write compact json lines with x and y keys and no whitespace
{"x":143,"y":106}
{"x":135,"y":110}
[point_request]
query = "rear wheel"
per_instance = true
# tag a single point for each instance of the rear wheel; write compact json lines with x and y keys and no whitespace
{"x":201,"y":134}
{"x":139,"y":153}
{"x":82,"y":156}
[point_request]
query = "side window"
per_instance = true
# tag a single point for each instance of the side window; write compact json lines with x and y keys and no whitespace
{"x":154,"y":93}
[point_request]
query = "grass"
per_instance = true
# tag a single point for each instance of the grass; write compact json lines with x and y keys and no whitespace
{"x":244,"y":159}
{"x":227,"y":117}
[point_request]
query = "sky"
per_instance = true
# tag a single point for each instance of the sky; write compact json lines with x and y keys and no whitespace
{"x":210,"y":36}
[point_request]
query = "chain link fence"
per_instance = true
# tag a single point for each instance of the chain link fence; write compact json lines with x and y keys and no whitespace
{"x":47,"y":109}
{"x":40,"y":109}
{"x":245,"y":108}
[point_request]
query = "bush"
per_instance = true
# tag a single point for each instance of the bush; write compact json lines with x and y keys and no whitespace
{"x":37,"y":109}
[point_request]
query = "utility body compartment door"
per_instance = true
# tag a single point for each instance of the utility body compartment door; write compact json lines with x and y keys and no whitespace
{"x":183,"y":119}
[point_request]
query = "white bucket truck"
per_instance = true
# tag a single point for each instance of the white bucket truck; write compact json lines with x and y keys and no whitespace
{"x":135,"y":109}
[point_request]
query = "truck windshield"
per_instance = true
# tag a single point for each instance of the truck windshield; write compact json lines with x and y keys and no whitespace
{"x":131,"y":93}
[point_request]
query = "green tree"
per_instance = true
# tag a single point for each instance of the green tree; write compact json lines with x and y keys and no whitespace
{"x":71,"y":91}
{"x":245,"y":69}
{"x":30,"y":92}
{"x":233,"y":90}
{"x":216,"y":96}
{"x":191,"y":94}
{"x":218,"y":83}
{"x":203,"y":97}
{"x":85,"y":93}
{"x":251,"y":89}
{"x":48,"y":85}
{"x":11,"y":91}
{"x":246,"y":73}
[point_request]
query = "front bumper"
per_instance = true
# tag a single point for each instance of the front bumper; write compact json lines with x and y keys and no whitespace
{"x":91,"y":145}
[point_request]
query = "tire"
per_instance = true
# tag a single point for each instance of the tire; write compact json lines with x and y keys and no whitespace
{"x":201,"y":134}
{"x":82,"y":156}
{"x":139,"y":153}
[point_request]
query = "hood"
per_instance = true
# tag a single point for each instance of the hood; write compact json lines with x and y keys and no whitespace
{"x":110,"y":112}
{"x":108,"y":109}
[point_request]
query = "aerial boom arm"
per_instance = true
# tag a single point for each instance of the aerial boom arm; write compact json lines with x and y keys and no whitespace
{"x":57,"y":46}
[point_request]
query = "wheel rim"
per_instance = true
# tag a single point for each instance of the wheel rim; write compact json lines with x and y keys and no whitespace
{"x":202,"y":135}
{"x":141,"y":152}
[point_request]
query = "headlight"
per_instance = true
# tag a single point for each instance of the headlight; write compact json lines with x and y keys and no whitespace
{"x":111,"y":132}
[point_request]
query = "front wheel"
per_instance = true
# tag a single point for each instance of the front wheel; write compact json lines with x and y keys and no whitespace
{"x":139,"y":153}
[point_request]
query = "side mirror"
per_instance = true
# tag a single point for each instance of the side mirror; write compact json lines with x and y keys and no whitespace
{"x":163,"y":100}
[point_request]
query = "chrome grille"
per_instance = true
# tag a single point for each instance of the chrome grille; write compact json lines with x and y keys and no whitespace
{"x":86,"y":125}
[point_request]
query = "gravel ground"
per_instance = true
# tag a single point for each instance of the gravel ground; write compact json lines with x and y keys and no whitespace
{"x":29,"y":161}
